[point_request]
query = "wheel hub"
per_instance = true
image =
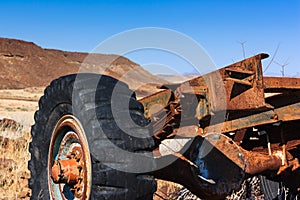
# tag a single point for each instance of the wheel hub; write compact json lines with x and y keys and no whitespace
{"x":70,"y":171}
{"x":69,"y":162}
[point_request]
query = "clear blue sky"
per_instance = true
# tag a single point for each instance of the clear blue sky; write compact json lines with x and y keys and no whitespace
{"x":216,"y":25}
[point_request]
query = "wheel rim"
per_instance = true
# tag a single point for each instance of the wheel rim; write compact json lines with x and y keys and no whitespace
{"x":69,"y":161}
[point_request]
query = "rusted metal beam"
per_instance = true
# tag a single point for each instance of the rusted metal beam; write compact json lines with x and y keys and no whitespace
{"x":279,"y":84}
{"x":258,"y":163}
{"x":282,"y":114}
{"x":251,"y":162}
{"x":244,"y":122}
{"x":288,"y":113}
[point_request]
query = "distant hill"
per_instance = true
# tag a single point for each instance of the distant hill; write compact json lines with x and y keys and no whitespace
{"x":24,"y":64}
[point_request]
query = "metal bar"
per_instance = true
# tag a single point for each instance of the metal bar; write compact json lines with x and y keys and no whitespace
{"x":258,"y":163}
{"x":242,"y":82}
{"x":275,"y":84}
{"x":285,"y":113}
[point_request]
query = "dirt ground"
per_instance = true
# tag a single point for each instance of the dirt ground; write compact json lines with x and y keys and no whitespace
{"x":20,"y":104}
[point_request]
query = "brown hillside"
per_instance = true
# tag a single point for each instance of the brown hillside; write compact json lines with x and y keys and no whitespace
{"x":24,"y":64}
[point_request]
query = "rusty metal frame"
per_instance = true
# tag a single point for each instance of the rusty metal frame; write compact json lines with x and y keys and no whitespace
{"x":249,"y":100}
{"x":239,"y":87}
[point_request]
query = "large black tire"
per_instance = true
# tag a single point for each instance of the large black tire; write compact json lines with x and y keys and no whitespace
{"x":271,"y":189}
{"x":278,"y":190}
{"x":81,"y":96}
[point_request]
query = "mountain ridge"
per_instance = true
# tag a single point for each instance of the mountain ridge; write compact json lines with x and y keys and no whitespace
{"x":25,"y":64}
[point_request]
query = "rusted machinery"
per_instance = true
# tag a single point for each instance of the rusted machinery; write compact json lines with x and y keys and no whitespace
{"x":251,"y":120}
{"x":235,"y":122}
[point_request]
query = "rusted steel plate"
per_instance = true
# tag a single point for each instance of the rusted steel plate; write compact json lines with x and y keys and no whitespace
{"x":276,"y":84}
{"x":161,"y":98}
{"x":236,"y":87}
{"x":226,"y":146}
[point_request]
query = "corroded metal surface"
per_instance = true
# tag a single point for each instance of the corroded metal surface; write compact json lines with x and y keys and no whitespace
{"x":258,"y":163}
{"x":236,"y":87}
{"x":161,"y":98}
{"x":278,"y":84}
{"x":257,"y":133}
{"x":65,"y":171}
{"x":214,"y":166}
{"x":196,"y":169}
{"x":286,"y":113}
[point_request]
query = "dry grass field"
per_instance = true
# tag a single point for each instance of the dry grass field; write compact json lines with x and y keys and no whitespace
{"x":14,"y":174}
{"x":16,"y":117}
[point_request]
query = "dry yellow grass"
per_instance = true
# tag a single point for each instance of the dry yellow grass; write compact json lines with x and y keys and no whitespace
{"x":167,"y":190}
{"x":14,"y":173}
{"x":18,"y":105}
